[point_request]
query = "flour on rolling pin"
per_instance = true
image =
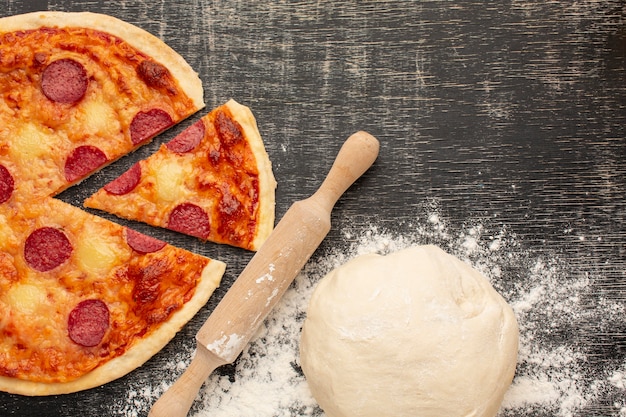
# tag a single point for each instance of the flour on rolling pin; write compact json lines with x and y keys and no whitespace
{"x":229,"y":345}
{"x":232,"y":344}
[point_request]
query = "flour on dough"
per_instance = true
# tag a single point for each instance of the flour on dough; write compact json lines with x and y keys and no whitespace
{"x":416,"y":332}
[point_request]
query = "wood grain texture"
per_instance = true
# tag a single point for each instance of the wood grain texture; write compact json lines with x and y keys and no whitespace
{"x":511,"y":113}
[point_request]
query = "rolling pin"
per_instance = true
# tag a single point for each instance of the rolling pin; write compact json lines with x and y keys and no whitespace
{"x":267,"y":276}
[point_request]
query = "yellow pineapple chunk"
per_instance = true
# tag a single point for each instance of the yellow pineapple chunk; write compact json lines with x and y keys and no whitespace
{"x":31,"y":142}
{"x":170,"y":180}
{"x":26,"y":298}
{"x":99,"y":118}
{"x":97,"y":254}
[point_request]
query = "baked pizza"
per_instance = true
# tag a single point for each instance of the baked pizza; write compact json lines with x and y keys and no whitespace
{"x":213,"y":181}
{"x":79,"y":90}
{"x":84,"y":300}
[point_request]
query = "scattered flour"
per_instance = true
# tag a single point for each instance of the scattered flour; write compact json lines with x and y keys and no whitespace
{"x":555,"y":306}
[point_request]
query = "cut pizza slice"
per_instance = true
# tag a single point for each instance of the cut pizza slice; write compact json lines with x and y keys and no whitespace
{"x":84,"y":301}
{"x":213,"y":181}
{"x":79,"y":90}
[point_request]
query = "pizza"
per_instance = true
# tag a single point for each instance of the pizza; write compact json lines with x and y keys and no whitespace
{"x":213,"y":181}
{"x":80,"y":90}
{"x":84,"y":300}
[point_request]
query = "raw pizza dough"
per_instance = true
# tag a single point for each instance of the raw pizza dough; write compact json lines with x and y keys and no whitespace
{"x":414,"y":333}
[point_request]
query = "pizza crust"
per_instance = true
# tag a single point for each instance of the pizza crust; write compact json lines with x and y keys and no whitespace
{"x":267,"y":182}
{"x":136,"y":355}
{"x":163,"y":186}
{"x":138,"y":38}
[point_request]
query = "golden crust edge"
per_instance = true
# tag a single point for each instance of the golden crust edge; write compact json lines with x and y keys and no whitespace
{"x":138,"y":38}
{"x":267,"y":182}
{"x":137,"y":354}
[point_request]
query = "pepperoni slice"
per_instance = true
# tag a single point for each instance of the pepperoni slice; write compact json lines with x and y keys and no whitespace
{"x":46,"y":248}
{"x":64,"y":81}
{"x":189,"y":219}
{"x":126,"y":182}
{"x":88,"y":322}
{"x":188,"y":139}
{"x":142,"y":243}
{"x":7,"y":185}
{"x":82,"y":161}
{"x":147,"y":124}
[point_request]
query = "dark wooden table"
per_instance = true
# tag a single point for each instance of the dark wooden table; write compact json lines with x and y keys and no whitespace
{"x":506,"y":117}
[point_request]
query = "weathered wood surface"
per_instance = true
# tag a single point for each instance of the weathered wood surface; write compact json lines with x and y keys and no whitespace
{"x":508,"y":113}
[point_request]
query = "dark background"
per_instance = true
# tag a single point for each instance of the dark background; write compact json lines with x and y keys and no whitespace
{"x":505,"y":110}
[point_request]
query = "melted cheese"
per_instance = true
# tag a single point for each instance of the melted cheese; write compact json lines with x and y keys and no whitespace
{"x":170,"y":176}
{"x":26,"y":298}
{"x":30,"y":142}
{"x":7,"y":237}
{"x":99,"y":118}
{"x":97,"y":254}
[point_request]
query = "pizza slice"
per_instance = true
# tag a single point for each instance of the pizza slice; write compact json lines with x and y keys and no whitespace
{"x":84,"y":301}
{"x":213,"y":181}
{"x":79,"y":90}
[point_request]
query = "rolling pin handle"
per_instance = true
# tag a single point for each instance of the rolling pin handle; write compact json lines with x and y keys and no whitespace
{"x":356,"y":156}
{"x":177,"y":400}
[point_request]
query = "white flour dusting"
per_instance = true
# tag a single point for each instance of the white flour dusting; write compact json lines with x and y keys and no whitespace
{"x":227,"y":346}
{"x":553,"y":303}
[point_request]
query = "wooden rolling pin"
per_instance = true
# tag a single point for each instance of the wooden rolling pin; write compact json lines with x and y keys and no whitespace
{"x":262,"y":283}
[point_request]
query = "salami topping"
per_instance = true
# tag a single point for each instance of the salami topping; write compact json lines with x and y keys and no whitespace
{"x":7,"y":185}
{"x":142,"y":243}
{"x":188,"y":138}
{"x":190,"y":219}
{"x":46,"y":248}
{"x":88,"y":322}
{"x":64,"y":81}
{"x":82,"y":161}
{"x":126,"y":182}
{"x":147,"y":124}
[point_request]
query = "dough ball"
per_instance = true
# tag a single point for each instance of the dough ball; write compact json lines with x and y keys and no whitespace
{"x":414,"y":333}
